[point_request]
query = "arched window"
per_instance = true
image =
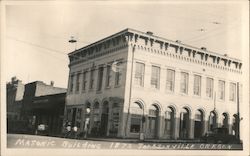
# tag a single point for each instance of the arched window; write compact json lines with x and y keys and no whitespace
{"x":225,"y":120}
{"x":198,"y":124}
{"x":184,"y":123}
{"x":212,"y":121}
{"x":169,"y":122}
{"x":153,"y":120}
{"x":136,"y":117}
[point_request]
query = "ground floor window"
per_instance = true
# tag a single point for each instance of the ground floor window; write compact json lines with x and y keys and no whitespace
{"x":169,"y":117}
{"x":136,"y":118}
{"x":115,"y":118}
{"x":135,"y":123}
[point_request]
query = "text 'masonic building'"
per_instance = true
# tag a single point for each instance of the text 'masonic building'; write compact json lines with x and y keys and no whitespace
{"x":135,"y":82}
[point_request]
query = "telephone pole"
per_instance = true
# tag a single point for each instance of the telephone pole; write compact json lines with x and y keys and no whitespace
{"x":238,"y":113}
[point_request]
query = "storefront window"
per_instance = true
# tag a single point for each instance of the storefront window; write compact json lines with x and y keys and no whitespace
{"x":136,"y":118}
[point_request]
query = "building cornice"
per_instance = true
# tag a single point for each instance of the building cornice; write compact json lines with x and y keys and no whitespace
{"x":129,"y":36}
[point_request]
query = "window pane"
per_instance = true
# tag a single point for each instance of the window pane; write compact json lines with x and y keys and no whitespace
{"x":84,"y":80}
{"x":209,"y":87}
{"x":197,"y":85}
{"x":71,"y":83}
{"x":135,"y":124}
{"x":100,"y":77}
{"x":221,"y":90}
{"x":108,"y":76}
{"x":232,"y":92}
{"x":118,"y":75}
{"x":155,"y":77}
{"x":78,"y":82}
{"x":170,"y":80}
{"x":139,"y":74}
{"x":184,"y":82}
{"x":91,"y":85}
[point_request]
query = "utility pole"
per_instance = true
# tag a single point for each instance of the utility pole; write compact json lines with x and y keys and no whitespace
{"x":238,"y":113}
{"x":130,"y":89}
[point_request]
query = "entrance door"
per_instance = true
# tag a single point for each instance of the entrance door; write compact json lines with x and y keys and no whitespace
{"x":104,"y":120}
{"x":153,"y":121}
{"x":198,"y":124}
{"x":184,"y":124}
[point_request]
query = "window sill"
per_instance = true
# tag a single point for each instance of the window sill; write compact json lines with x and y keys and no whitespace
{"x":197,"y":96}
{"x":209,"y":98}
{"x":98,"y":92}
{"x":117,"y":86}
{"x":84,"y":91}
{"x":221,"y":100}
{"x":232,"y":101}
{"x":170,"y":92}
{"x":108,"y":87}
{"x":155,"y":89}
{"x":183,"y":94}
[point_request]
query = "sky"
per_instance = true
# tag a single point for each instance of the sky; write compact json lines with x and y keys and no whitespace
{"x":36,"y":38}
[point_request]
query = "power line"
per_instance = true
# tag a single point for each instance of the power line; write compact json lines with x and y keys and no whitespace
{"x":209,"y":35}
{"x":39,"y":46}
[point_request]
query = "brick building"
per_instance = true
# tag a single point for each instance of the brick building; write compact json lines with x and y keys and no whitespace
{"x":43,"y":104}
{"x":15,"y":90}
{"x":138,"y":83}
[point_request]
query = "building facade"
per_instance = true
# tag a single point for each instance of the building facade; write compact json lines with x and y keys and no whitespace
{"x":15,"y":91}
{"x":137,"y":83}
{"x":43,"y":104}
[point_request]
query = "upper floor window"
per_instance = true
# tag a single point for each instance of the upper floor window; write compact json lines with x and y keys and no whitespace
{"x":84,"y":80}
{"x":155,"y":77}
{"x":92,"y":79}
{"x":78,"y":82}
{"x":197,"y":85}
{"x":118,"y":74}
{"x":221,"y":90}
{"x":184,"y":82}
{"x":209,"y":87}
{"x":108,"y":75}
{"x":232,"y":92}
{"x":170,"y":80}
{"x":71,"y":83}
{"x":139,"y":74}
{"x":100,"y":78}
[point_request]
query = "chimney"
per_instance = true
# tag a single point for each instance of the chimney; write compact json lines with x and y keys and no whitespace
{"x":178,"y":41}
{"x":203,"y":48}
{"x":13,"y":79}
{"x":149,"y":33}
{"x":52,"y":83}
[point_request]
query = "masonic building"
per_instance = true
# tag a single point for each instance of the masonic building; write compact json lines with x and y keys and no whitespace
{"x":137,"y":83}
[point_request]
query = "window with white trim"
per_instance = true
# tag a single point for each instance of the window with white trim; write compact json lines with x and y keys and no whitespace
{"x":232,"y":91}
{"x":184,"y":83}
{"x":170,"y":80}
{"x":155,"y":77}
{"x":84,"y":80}
{"x":221,"y":90}
{"x":209,"y":87}
{"x":197,"y":85}
{"x":139,"y":74}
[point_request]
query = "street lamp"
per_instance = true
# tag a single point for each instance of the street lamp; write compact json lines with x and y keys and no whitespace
{"x":86,"y":126}
{"x":73,"y":40}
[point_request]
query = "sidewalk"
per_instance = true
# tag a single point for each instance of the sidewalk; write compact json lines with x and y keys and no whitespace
{"x":144,"y":141}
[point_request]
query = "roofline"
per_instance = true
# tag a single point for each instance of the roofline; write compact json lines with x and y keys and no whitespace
{"x":120,"y":32}
{"x":162,"y":38}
